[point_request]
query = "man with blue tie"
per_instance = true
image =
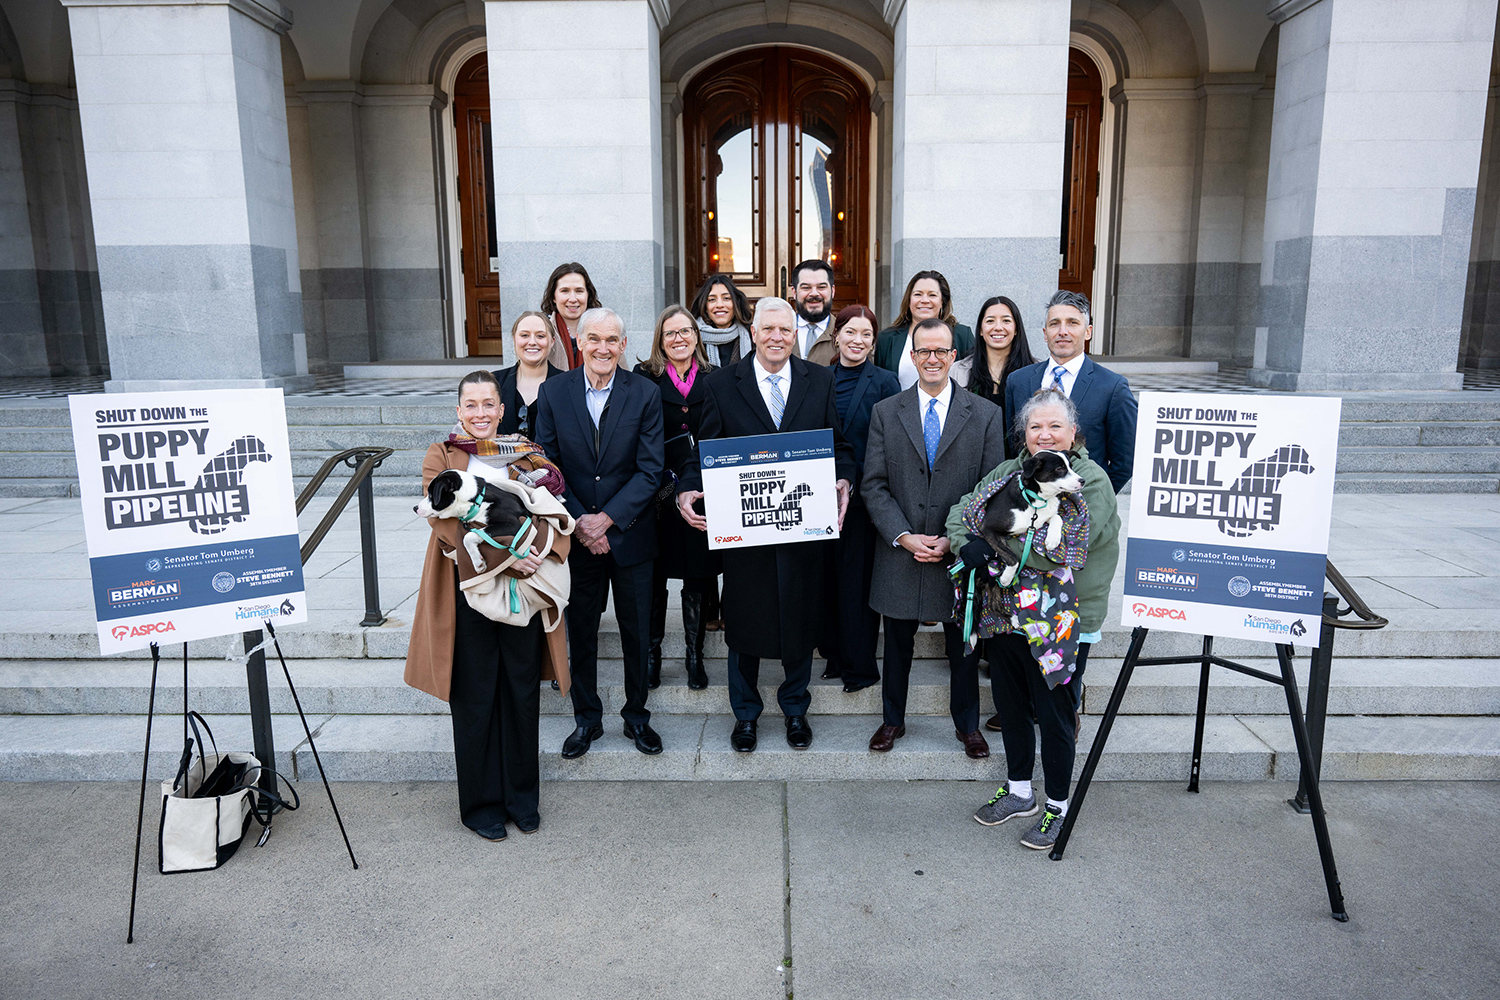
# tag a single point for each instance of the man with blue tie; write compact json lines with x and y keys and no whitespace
{"x":773,"y":594}
{"x":928,"y":446}
{"x":602,"y":426}
{"x":1106,"y":407}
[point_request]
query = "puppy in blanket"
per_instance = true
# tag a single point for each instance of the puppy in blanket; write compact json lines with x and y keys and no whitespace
{"x":1041,"y":604}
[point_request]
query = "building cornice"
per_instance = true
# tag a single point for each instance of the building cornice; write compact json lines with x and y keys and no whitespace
{"x":273,"y":15}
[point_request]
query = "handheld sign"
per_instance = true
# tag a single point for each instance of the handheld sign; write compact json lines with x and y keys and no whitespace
{"x":189,"y":513}
{"x":769,"y":489}
{"x":1229,"y":511}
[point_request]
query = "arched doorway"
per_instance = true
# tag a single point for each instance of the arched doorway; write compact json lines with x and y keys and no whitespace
{"x":476,"y":209}
{"x":1080,"y":196}
{"x":777,"y":171}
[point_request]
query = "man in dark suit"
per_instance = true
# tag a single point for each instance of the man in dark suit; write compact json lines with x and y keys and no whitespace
{"x":773,"y":594}
{"x":603,"y":427}
{"x":928,"y":446}
{"x":1106,"y":407}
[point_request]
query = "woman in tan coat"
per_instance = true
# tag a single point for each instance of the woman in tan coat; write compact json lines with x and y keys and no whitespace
{"x":489,"y":672}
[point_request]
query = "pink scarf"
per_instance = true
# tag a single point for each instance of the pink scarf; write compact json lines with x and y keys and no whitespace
{"x":684,"y":386}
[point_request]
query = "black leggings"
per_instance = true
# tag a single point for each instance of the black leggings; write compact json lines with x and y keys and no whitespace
{"x":1020,"y":689}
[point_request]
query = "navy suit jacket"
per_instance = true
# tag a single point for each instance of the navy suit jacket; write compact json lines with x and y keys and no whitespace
{"x":622,"y":478}
{"x":874,"y":385}
{"x":1106,"y":414}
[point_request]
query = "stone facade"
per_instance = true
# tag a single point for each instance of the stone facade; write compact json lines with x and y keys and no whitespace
{"x":249,"y":191}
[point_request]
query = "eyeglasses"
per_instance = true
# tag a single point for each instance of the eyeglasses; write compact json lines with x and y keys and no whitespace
{"x":923,"y":353}
{"x":677,"y":334}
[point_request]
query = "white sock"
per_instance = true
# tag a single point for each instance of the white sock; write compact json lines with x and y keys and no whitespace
{"x":1061,"y":808}
{"x":1020,"y":789}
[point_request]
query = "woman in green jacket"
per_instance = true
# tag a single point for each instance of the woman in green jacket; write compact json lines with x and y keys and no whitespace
{"x":1048,"y":421}
{"x":927,"y":297}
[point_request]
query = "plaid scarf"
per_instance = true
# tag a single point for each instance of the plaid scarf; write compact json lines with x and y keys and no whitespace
{"x":1041,"y":605}
{"x":526,"y":462}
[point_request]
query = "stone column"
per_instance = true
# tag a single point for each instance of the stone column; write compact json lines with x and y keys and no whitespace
{"x":185,"y":140}
{"x":342,"y":270}
{"x":1379,"y":116}
{"x":575,"y":102}
{"x":1225,"y":116}
{"x":980,"y":101}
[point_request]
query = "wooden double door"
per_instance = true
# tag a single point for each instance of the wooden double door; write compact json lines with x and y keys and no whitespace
{"x":1079,"y":252}
{"x":483,"y":329}
{"x":777,"y":170}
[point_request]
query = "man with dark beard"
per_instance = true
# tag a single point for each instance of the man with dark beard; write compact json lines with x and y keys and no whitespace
{"x":812,"y":295}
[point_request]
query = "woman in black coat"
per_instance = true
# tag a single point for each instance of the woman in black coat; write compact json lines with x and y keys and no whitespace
{"x":532,"y":335}
{"x":858,"y":385}
{"x":680,"y":366}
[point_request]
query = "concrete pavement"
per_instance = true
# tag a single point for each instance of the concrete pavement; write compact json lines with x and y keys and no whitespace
{"x":697,"y":890}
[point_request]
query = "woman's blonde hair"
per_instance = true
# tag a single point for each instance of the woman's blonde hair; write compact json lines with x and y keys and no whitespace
{"x":656,"y":362}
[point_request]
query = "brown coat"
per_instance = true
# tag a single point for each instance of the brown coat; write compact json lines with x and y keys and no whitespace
{"x":429,"y":658}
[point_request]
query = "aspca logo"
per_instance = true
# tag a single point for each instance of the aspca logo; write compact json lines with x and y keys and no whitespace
{"x":136,"y":631}
{"x":724,"y":539}
{"x":1151,"y":611}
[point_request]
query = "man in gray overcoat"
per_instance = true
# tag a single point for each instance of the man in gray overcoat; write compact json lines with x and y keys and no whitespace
{"x":928,"y":446}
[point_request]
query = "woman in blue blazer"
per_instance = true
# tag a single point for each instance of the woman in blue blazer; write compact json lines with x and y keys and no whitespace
{"x":858,"y":385}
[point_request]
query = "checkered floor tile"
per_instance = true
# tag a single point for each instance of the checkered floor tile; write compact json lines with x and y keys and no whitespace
{"x":337,"y":386}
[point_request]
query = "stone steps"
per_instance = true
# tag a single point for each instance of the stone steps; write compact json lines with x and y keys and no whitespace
{"x":1457,"y":687}
{"x":420,"y":748}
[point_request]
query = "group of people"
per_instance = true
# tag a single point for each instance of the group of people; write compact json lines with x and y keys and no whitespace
{"x":925,"y":415}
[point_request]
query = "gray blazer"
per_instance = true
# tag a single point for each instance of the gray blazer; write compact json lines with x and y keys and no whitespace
{"x":901,"y":494}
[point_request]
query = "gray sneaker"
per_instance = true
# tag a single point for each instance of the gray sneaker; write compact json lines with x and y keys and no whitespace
{"x":1003,"y":805}
{"x":1044,"y":835}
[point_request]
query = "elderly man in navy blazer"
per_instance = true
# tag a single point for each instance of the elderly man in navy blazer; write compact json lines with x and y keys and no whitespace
{"x":603,"y":427}
{"x":1106,"y":408}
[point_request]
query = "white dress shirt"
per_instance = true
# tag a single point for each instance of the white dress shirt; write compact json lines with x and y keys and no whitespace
{"x":1069,"y":377}
{"x":808,"y":334}
{"x":906,"y":368}
{"x":763,"y":382}
{"x":597,"y":399}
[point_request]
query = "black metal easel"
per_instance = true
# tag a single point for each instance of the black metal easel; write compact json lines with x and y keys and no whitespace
{"x":1288,"y":682}
{"x":140,"y":818}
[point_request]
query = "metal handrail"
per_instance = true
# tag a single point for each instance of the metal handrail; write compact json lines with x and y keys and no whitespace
{"x":364,"y":462}
{"x":1356,"y":604}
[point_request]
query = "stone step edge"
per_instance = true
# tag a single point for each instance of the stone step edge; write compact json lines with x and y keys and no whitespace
{"x":1143,"y":748}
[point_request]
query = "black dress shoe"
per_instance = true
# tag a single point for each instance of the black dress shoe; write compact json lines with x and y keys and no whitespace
{"x":529,"y":826}
{"x":743,"y":736}
{"x":646,"y":740}
{"x":578,"y":743}
{"x":852,"y":686}
{"x":798,"y":732}
{"x":831,"y":671}
{"x":494,"y":833}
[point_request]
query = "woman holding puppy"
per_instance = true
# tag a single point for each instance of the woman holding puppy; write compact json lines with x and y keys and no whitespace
{"x":488,"y":671}
{"x":1021,"y":683}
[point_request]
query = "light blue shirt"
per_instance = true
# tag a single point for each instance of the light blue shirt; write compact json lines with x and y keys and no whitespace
{"x":597,"y":399}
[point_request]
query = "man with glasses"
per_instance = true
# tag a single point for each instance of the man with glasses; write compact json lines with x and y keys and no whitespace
{"x":927,"y":448}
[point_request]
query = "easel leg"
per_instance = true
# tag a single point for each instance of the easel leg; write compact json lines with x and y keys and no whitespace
{"x":308,"y":730}
{"x":140,"y":813}
{"x":1075,"y":801}
{"x":1310,"y":782}
{"x":1208,"y":650}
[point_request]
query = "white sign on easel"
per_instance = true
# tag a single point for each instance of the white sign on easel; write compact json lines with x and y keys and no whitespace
{"x":189,"y":513}
{"x":1230,"y":506}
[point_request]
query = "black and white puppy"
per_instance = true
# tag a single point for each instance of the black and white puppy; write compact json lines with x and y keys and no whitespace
{"x":1047,"y":474}
{"x":454,"y":493}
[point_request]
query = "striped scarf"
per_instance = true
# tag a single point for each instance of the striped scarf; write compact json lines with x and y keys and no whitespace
{"x":526,"y":462}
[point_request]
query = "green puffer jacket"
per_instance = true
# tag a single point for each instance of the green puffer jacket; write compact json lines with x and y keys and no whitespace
{"x":1104,"y":536}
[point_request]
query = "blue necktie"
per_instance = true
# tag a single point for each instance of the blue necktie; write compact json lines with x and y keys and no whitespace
{"x":1057,"y":373}
{"x":778,"y":401}
{"x":932,"y":432}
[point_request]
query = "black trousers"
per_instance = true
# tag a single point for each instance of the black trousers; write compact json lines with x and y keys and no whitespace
{"x":1019,"y":690}
{"x":856,"y":625}
{"x":593,"y":578}
{"x":963,"y":674}
{"x":495,"y":701}
{"x":744,"y":687}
